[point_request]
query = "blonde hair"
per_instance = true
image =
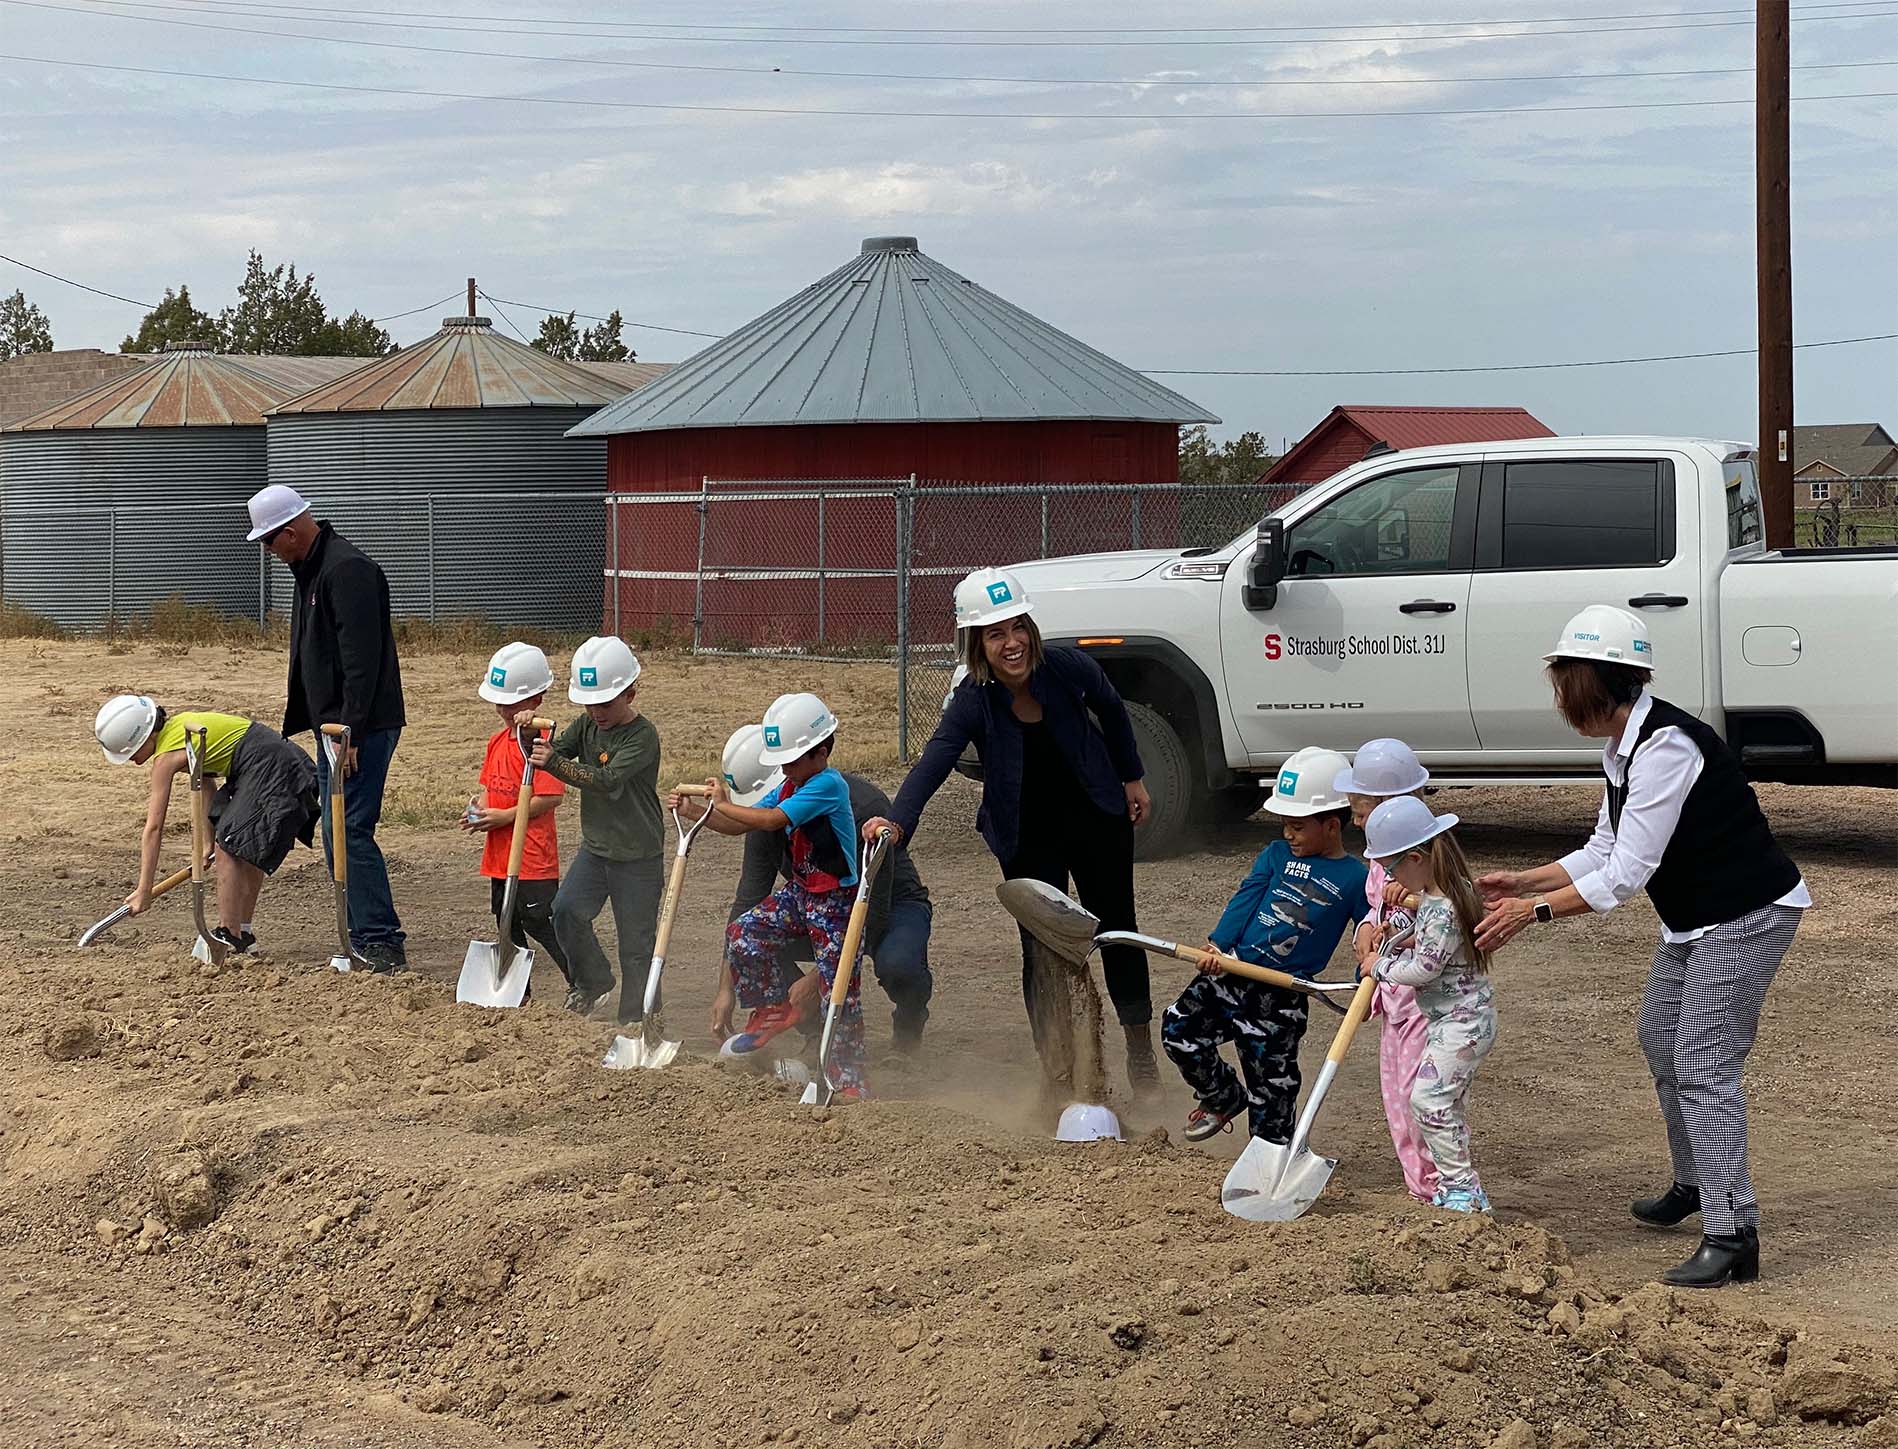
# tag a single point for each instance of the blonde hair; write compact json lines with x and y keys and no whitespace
{"x":1450,"y":874}
{"x":976,"y":660}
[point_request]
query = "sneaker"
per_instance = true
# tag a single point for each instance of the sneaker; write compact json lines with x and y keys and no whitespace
{"x":1202,"y":1122}
{"x":384,"y":959}
{"x":1461,"y":1200}
{"x":233,"y":942}
{"x":580,"y":1001}
{"x":763,"y":1025}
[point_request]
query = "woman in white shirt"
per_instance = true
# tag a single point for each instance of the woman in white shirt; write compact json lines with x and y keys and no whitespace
{"x":1679,"y":821}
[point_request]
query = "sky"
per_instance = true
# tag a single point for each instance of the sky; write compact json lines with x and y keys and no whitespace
{"x":1233,"y":199}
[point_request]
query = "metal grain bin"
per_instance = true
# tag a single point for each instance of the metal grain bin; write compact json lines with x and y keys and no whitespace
{"x":447,"y":464}
{"x":133,"y":493}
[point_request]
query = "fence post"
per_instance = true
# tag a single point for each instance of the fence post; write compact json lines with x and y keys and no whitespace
{"x":612,"y":512}
{"x":905,"y":502}
{"x":431,"y":558}
{"x":111,"y":568}
{"x":820,"y":565}
{"x":1044,"y":522}
{"x":1137,"y":496}
{"x":698,"y":576}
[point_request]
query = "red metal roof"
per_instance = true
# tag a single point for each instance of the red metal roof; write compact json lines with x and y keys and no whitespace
{"x":1349,"y":431}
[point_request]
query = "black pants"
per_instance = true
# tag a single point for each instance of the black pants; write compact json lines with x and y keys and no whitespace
{"x":1264,"y":1024}
{"x":1097,"y":850}
{"x":533,"y":916}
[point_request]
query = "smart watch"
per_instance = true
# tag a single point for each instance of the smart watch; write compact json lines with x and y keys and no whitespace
{"x":1544,"y":912}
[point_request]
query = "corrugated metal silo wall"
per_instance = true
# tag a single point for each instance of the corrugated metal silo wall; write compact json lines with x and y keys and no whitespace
{"x":433,"y":498}
{"x":104,"y":523}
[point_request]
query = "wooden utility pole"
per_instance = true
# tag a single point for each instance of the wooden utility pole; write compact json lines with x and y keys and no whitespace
{"x":471,"y":299}
{"x":1772,"y":177}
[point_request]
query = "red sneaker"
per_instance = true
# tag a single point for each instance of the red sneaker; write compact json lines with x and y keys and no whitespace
{"x":764,"y":1023}
{"x":1201,"y":1124}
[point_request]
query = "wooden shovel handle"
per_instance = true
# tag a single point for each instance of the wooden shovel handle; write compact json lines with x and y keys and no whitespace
{"x":177,"y":878}
{"x":697,"y":792}
{"x":1199,"y":956}
{"x":669,"y":907}
{"x":517,"y":847}
{"x":526,"y":721}
{"x":1353,"y":1019}
{"x":853,"y":928}
{"x":335,"y":731}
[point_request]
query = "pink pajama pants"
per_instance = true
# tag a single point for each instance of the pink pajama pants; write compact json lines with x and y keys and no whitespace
{"x":1399,"y":1050}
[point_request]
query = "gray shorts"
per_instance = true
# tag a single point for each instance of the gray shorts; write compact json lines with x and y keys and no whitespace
{"x":268,"y":801}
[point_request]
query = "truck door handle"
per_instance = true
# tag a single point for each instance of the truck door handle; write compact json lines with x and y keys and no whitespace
{"x":1659,"y":601}
{"x":1431,"y":606}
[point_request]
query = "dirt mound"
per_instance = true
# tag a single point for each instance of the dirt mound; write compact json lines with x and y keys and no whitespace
{"x":459,"y":1207}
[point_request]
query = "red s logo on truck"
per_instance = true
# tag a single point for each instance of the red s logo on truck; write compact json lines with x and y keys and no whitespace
{"x":1271,"y":646}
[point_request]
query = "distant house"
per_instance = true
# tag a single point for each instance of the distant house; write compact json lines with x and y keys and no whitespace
{"x":1349,"y":432}
{"x":1831,"y":461}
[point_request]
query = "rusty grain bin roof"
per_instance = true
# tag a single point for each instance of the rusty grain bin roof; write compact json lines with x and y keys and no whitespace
{"x":465,"y":365}
{"x":894,"y":336}
{"x":190,"y":386}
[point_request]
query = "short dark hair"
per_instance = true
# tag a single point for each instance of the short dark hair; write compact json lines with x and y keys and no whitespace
{"x":1589,"y":691}
{"x":1342,"y":815}
{"x":158,"y":721}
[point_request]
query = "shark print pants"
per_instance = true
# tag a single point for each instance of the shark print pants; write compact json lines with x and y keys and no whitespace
{"x":759,"y":977}
{"x":1264,"y":1024}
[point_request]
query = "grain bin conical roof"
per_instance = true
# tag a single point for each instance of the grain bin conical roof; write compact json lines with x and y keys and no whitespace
{"x":190,"y":386}
{"x":465,"y":365}
{"x":893,"y":336}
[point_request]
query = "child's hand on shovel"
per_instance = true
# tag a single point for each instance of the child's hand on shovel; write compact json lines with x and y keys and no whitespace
{"x":138,"y":902}
{"x":1210,"y":962}
{"x":542,"y":753}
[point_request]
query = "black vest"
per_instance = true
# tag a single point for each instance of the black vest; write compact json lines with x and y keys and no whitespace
{"x":1722,"y":861}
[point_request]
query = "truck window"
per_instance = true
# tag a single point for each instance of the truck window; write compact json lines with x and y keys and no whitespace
{"x":1745,"y":523}
{"x":1399,"y":523}
{"x":1581,"y":515}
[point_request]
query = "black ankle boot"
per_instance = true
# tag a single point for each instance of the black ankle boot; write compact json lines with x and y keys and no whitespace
{"x":1675,"y":1205}
{"x":1718,"y":1261}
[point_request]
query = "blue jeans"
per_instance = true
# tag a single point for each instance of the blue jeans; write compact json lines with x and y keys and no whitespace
{"x":372,"y":918}
{"x":899,"y":960}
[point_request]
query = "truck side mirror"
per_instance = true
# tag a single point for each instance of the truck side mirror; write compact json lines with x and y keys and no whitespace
{"x":1267,"y":566}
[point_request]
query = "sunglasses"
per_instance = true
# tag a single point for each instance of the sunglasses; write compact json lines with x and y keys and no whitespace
{"x":272,"y":536}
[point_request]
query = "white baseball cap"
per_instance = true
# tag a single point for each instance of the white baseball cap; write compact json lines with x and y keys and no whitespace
{"x":271,"y":508}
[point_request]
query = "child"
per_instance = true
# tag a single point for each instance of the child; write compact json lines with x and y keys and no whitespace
{"x":812,"y":808}
{"x":1383,"y":770}
{"x":267,"y":803}
{"x":1439,"y":960}
{"x":516,"y":685}
{"x":612,"y":758}
{"x":1288,"y":913}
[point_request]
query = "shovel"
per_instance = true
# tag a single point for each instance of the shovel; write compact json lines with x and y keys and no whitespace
{"x":650,"y":1049}
{"x":100,"y":927}
{"x":1271,"y":1183}
{"x":487,"y":979}
{"x":335,"y":738}
{"x":822,"y":1087}
{"x":200,"y":839}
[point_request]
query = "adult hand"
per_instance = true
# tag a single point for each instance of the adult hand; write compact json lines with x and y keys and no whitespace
{"x":804,"y":993}
{"x":541,"y":753}
{"x":1139,"y":805}
{"x":1499,"y":885}
{"x":138,"y":901}
{"x":724,"y":1004}
{"x":1210,"y":962}
{"x":876,"y":823}
{"x":1504,"y":919}
{"x":349,"y":762}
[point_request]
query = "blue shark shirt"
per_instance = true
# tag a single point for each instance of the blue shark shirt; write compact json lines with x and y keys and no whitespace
{"x":1290,"y":910}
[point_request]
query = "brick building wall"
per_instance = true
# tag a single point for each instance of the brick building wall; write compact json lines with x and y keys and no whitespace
{"x":34,"y":381}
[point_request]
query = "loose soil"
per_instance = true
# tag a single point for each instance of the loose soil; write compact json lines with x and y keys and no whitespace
{"x":272,"y":1205}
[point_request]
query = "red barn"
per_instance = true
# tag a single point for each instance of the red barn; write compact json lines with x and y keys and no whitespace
{"x":1348,"y":433}
{"x":891,"y":367}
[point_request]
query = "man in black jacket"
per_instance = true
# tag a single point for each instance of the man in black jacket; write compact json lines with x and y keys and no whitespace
{"x":343,"y":670}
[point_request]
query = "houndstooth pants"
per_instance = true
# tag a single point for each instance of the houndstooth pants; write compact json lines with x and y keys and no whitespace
{"x":1698,"y":1018}
{"x":1263,"y":1023}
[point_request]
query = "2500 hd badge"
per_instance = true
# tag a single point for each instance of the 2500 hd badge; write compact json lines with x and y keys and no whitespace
{"x":1354,"y":646}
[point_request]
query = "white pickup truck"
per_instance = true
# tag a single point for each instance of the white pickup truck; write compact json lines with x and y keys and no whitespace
{"x":1414,"y":593}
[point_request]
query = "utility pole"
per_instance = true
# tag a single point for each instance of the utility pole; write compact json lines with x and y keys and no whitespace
{"x":1772,"y":177}
{"x":471,"y":299}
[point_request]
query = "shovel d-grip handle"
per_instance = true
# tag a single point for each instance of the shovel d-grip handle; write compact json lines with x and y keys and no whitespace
{"x":695,"y":792}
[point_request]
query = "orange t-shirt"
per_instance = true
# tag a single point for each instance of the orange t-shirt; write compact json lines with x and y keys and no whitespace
{"x":501,"y":778}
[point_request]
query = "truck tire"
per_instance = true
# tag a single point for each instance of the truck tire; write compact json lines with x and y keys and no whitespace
{"x":1169,"y":780}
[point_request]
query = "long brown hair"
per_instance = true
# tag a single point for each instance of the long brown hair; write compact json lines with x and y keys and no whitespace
{"x":976,"y":659}
{"x":1450,"y":873}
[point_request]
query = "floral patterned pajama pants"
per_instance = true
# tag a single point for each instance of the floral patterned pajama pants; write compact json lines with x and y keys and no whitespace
{"x":759,"y":977}
{"x":1454,"y":1048}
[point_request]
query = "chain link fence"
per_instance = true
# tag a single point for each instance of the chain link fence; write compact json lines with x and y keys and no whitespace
{"x":1855,"y":512}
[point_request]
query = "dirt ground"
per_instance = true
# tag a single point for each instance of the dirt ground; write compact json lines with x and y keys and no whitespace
{"x":275,"y":1206}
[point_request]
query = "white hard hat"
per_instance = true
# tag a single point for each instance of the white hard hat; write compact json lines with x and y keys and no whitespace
{"x":1383,"y":767}
{"x":125,"y":722}
{"x":795,"y":725}
{"x":1402,"y":824}
{"x":1607,"y":635}
{"x":517,"y":672}
{"x":603,"y":670}
{"x":989,"y":596}
{"x":271,"y":508}
{"x":747,"y":776}
{"x":1305,"y":784}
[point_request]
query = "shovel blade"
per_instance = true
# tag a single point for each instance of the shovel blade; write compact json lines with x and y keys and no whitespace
{"x":486,"y":980}
{"x":1087,"y":1122}
{"x":1271,"y":1184}
{"x":630,"y":1053}
{"x":1055,"y":919}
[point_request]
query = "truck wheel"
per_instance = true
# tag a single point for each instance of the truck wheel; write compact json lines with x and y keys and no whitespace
{"x":1169,"y":781}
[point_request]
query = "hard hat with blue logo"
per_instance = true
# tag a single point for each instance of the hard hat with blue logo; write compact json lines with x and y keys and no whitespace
{"x":1306,"y":784}
{"x":988,"y":596}
{"x":603,"y":670}
{"x":795,"y":725}
{"x":1607,"y":635}
{"x":747,"y":776}
{"x":517,"y":672}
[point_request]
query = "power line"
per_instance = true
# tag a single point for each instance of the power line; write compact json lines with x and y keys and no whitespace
{"x":866,"y":112}
{"x":425,"y":307}
{"x":97,"y":291}
{"x":504,"y":317}
{"x":594,"y":317}
{"x":1169,"y":83}
{"x":1500,"y":367}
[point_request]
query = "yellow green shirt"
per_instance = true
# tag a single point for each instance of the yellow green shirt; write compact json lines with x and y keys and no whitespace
{"x":221,"y":734}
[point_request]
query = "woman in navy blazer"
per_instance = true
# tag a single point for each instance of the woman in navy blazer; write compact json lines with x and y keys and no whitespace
{"x":1061,"y":780}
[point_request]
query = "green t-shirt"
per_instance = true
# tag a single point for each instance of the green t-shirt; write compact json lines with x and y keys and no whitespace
{"x":616,"y":772}
{"x":221,"y":734}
